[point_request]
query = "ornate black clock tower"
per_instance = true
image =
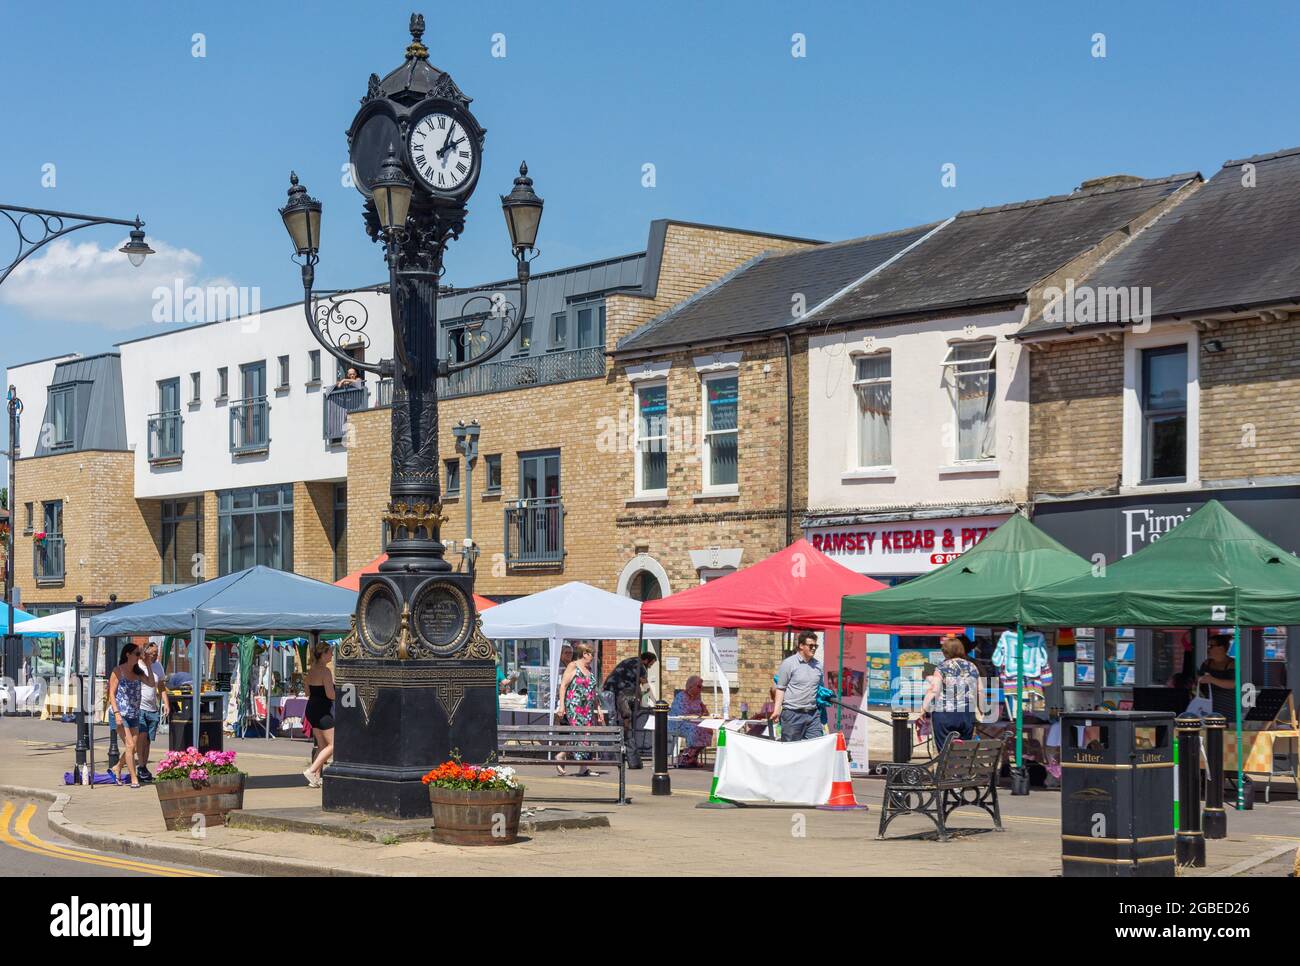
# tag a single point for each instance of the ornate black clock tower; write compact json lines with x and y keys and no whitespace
{"x":416,"y":678}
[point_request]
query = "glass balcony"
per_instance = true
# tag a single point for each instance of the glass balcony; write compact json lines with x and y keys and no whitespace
{"x":250,"y":430}
{"x":535,"y":532}
{"x":165,"y":437}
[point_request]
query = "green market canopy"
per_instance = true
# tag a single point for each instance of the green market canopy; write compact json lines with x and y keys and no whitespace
{"x":1211,"y":569}
{"x":985,"y":585}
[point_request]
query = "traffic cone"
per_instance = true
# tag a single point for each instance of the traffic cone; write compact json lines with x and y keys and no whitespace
{"x":842,"y":799}
{"x":714,"y":801}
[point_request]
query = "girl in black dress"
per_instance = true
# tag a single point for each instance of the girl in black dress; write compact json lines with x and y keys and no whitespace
{"x":320,"y":711}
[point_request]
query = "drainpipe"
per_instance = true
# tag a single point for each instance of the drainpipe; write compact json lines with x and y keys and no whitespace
{"x":789,"y":444}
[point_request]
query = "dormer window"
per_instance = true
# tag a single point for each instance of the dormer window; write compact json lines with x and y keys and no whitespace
{"x":63,"y":415}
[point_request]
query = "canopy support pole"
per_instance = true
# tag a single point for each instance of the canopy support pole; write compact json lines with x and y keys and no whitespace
{"x":1020,"y":697}
{"x":839,"y":710}
{"x":196,"y":678}
{"x":1241,"y":762}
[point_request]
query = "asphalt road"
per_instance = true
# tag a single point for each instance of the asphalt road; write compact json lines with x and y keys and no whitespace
{"x":29,"y":848}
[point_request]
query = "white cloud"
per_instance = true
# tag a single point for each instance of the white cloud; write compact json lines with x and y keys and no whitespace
{"x":88,"y":283}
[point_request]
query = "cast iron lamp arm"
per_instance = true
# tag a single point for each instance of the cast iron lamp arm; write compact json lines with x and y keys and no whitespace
{"x":53,"y":226}
{"x":308,"y":279}
{"x":505,"y":339}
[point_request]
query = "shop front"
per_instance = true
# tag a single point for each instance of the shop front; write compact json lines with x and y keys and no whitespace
{"x":893,"y":550}
{"x":1152,"y":668}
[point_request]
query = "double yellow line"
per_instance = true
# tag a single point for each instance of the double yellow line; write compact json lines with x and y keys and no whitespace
{"x":27,"y":841}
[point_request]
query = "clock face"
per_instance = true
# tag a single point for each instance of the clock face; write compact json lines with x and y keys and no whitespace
{"x":442,"y":152}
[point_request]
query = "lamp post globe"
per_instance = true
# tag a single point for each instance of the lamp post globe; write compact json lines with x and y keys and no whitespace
{"x":418,"y":662}
{"x":136,"y":249}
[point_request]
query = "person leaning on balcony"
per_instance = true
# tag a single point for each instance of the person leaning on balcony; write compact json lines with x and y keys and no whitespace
{"x":951,"y":692}
{"x":797,"y":681}
{"x":350,"y":379}
{"x":124,"y":685}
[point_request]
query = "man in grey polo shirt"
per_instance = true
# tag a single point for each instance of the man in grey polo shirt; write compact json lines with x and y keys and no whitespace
{"x":797,"y":681}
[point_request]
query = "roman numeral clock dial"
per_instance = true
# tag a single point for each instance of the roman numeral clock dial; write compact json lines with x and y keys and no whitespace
{"x":442,"y":152}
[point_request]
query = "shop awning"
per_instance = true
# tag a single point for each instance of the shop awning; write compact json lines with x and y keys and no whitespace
{"x":1211,"y":569}
{"x":353,"y":582}
{"x":794,"y":589}
{"x":985,"y":585}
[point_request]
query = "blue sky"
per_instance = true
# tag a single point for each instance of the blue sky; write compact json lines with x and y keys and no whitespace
{"x":846,"y":141}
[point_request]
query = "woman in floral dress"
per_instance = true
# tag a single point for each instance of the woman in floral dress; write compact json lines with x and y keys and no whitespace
{"x":582,"y":705}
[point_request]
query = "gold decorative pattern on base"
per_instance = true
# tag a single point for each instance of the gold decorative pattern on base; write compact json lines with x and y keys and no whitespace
{"x":450,"y":683}
{"x":422,"y":516}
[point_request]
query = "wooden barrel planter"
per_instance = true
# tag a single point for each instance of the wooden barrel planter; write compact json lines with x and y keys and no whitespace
{"x":181,"y":801}
{"x":463,"y":817}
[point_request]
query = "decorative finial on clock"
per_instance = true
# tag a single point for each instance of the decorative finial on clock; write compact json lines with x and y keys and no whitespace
{"x":416,"y":49}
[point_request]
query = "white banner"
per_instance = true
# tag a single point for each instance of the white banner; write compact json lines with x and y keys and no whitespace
{"x":779,"y":772}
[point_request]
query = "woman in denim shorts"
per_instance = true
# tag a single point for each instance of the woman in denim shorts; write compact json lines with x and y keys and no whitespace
{"x":124,"y":702}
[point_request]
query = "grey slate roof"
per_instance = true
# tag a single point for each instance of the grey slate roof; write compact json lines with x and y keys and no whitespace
{"x":1225,"y":247}
{"x":996,"y":255}
{"x":99,"y":420}
{"x":758,"y":296}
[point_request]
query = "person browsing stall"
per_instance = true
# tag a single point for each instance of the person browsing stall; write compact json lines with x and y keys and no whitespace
{"x":150,"y":713}
{"x":797,"y":681}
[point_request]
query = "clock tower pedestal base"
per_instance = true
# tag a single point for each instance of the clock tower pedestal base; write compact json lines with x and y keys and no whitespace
{"x":396,"y":719}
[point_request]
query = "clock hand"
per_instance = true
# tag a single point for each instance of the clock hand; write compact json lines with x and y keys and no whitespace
{"x":446,"y":148}
{"x":451,"y":128}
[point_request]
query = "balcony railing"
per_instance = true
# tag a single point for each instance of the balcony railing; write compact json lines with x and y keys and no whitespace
{"x":384,"y":395}
{"x":336,"y":405}
{"x":165,"y":437}
{"x":535,"y":532}
{"x":47,"y":559}
{"x":250,"y":425}
{"x":528,"y":371}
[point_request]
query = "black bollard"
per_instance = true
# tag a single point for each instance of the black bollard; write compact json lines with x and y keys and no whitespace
{"x":1215,"y":819}
{"x":902,"y":737}
{"x":113,"y":752}
{"x":1189,"y":840}
{"x":660,"y":783}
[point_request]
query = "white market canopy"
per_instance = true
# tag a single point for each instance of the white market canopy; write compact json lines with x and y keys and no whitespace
{"x":65,"y":623}
{"x":578,"y":611}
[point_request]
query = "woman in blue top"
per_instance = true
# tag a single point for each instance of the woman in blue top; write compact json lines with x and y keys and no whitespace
{"x":952,"y":693}
{"x":124,"y":683}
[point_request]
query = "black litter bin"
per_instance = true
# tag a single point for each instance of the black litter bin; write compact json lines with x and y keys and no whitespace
{"x":1117,"y":794}
{"x":180,"y":727}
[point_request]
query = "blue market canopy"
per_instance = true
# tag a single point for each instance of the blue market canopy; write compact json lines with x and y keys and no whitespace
{"x":258,"y":600}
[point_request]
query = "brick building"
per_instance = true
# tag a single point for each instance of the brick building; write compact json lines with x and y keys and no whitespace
{"x":554,"y":422}
{"x":712,"y":475}
{"x":1167,"y":376}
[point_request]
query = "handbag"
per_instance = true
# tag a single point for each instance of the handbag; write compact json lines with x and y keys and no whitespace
{"x":1199,"y":706}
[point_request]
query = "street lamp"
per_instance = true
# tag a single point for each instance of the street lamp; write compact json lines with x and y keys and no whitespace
{"x":424,"y":674}
{"x":136,"y":249}
{"x":36,"y":228}
{"x":523,"y":211}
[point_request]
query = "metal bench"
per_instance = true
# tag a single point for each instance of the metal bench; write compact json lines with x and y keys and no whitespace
{"x":539,"y":744}
{"x":964,"y":775}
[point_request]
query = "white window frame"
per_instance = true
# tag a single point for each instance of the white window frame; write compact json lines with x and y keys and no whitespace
{"x":313,"y":367}
{"x":1131,"y":471}
{"x":706,"y":444}
{"x":707,"y":673}
{"x":855,"y":358}
{"x":196,"y":388}
{"x":950,"y":366}
{"x":638,"y":440}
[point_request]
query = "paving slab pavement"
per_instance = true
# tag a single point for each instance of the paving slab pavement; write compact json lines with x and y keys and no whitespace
{"x":653,"y":835}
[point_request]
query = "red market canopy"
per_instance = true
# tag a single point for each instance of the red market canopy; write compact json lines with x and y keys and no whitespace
{"x":796,"y":588}
{"x":353,"y":582}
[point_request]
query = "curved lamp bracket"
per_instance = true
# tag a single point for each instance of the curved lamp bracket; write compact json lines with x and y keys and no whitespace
{"x":498,"y":312}
{"x":338,"y":323}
